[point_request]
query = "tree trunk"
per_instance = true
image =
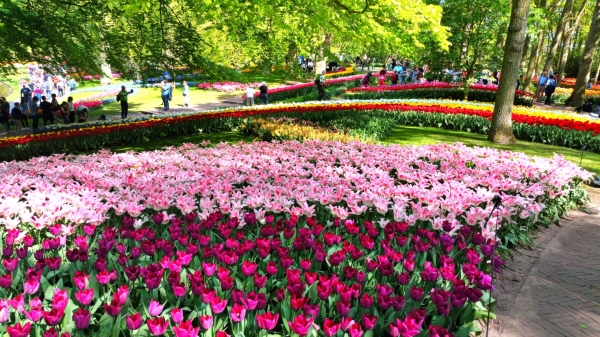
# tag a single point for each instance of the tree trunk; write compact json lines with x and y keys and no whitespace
{"x":532,"y":65}
{"x":568,"y":38}
{"x":525,"y":50}
{"x":558,"y":36}
{"x":586,"y":58}
{"x":564,"y":56}
{"x":501,"y":128}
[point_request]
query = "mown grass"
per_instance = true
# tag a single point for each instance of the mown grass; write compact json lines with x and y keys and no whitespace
{"x":231,"y":137}
{"x":410,"y":135}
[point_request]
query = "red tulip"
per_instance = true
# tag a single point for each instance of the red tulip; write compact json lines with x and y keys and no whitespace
{"x":297,"y":302}
{"x":81,"y":279}
{"x":53,"y":317}
{"x":330,"y":328}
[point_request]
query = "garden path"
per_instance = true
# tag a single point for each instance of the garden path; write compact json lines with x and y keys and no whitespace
{"x":553,"y":290}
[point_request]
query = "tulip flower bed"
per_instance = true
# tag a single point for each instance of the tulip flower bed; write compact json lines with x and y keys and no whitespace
{"x":290,"y":91}
{"x":342,"y":71}
{"x":436,"y":90}
{"x":287,"y":129}
{"x":529,"y":124}
{"x":285,"y":239}
{"x":227,"y":86}
{"x":561,"y":95}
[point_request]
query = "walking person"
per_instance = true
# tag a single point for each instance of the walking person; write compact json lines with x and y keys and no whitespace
{"x":541,"y":87}
{"x":25,"y":99}
{"x":34,"y":112}
{"x":48,"y":86}
{"x":47,"y":115}
{"x":61,"y":88}
{"x":16,"y":116}
{"x":249,"y":96}
{"x":165,"y":92}
{"x":186,"y":94}
{"x":263,"y":93}
{"x":71,"y":109}
{"x":123,"y":97}
{"x":550,"y":87}
{"x":320,"y":82}
{"x":55,"y":105}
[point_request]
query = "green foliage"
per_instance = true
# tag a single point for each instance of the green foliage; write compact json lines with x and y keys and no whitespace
{"x":437,"y":93}
{"x":143,"y":39}
{"x":478,"y":28}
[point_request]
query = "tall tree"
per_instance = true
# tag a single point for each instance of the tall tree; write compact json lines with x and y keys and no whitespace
{"x":587,"y":58}
{"x":501,"y":128}
{"x":568,"y":39}
{"x":536,"y":30}
{"x":565,"y":18}
{"x":477,"y":27}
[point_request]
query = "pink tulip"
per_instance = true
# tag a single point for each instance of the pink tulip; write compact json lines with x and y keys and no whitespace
{"x":177,"y":315}
{"x":157,"y":325}
{"x":155,"y":308}
{"x":238,"y":313}
{"x":185,"y":329}
{"x":85,"y":296}
{"x":206,"y":322}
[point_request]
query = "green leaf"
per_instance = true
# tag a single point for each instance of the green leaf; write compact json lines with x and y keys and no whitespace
{"x":106,"y":325}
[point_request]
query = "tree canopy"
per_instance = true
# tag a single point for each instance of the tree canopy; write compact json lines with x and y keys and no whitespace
{"x":161,"y":34}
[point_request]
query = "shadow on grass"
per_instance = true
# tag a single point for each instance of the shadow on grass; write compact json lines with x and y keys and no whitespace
{"x":231,"y":137}
{"x":410,"y":135}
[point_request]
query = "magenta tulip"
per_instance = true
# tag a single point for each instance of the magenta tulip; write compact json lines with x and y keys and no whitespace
{"x":267,"y":321}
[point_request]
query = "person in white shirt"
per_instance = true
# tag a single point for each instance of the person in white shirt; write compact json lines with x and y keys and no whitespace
{"x":250,"y":96}
{"x":186,"y":94}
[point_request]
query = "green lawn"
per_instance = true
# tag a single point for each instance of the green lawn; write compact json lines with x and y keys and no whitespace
{"x":421,"y":136}
{"x":149,"y":99}
{"x":273,"y":79}
{"x":13,"y":82}
{"x":215,"y":138}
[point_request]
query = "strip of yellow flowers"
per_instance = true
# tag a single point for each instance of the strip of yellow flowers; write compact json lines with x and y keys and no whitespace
{"x":272,"y":129}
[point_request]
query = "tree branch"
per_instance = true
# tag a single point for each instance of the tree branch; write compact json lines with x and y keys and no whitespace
{"x":352,"y":11}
